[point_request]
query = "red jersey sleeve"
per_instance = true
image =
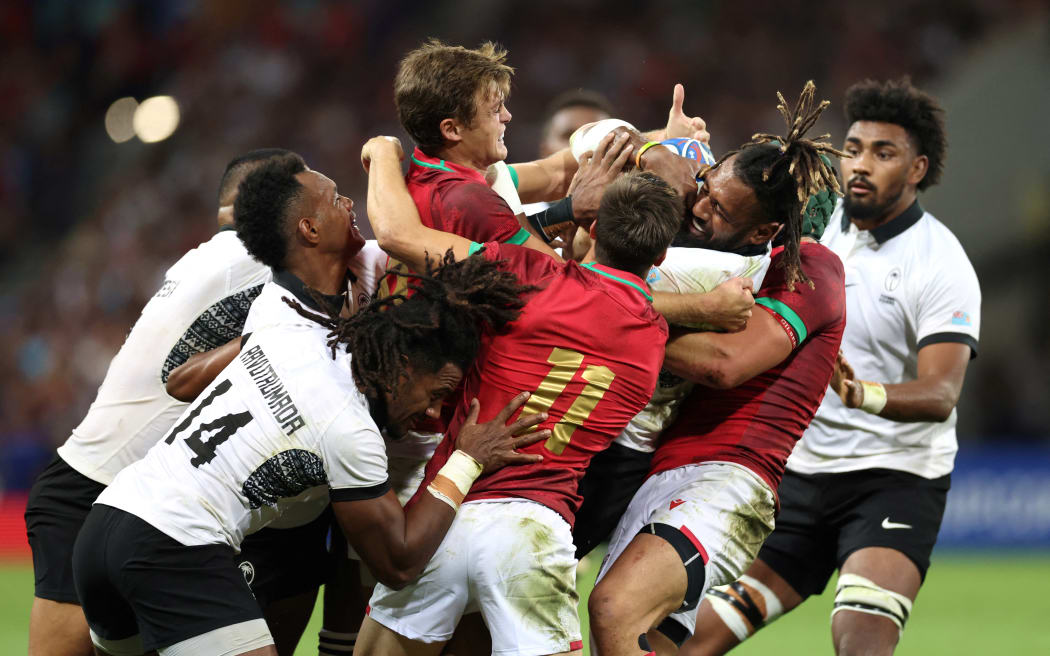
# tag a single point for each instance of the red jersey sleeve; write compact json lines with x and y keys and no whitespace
{"x":805,"y":310}
{"x":473,"y":210}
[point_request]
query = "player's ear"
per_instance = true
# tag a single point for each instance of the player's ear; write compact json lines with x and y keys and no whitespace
{"x":450,"y":129}
{"x":764,"y":233}
{"x":306,"y":228}
{"x":919,"y":166}
{"x":593,"y":230}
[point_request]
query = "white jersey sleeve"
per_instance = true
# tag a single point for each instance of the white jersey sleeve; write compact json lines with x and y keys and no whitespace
{"x":949,"y":303}
{"x":685,"y":271}
{"x":354,"y":455}
{"x":202,"y":304}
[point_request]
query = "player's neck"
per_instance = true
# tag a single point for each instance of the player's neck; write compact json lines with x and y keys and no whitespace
{"x":906,"y":200}
{"x":458,"y":156}
{"x":322,"y":273}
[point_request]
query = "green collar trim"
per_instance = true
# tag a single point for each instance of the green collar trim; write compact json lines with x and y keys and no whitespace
{"x":440,"y":166}
{"x":591,"y":267}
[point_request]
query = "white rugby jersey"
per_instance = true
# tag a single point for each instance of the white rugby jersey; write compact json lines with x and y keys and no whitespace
{"x":908,"y":284}
{"x":685,"y":271}
{"x":282,"y":425}
{"x":201,"y":305}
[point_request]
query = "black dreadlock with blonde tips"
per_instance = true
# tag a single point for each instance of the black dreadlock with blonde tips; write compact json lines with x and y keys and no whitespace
{"x":438,"y":321}
{"x":784,"y":171}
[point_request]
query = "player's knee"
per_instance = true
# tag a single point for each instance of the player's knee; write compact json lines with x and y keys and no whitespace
{"x":606,"y":608}
{"x":868,"y":606}
{"x":745,"y":606}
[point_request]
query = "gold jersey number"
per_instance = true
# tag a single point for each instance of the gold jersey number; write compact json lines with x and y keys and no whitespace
{"x":565,"y":365}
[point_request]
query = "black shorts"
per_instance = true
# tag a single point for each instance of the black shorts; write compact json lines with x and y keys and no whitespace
{"x":283,"y":562}
{"x":612,"y":478}
{"x":134,"y":580}
{"x":826,"y":517}
{"x":57,"y":506}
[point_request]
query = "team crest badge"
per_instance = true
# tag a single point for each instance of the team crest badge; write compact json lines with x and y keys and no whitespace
{"x":248,"y":570}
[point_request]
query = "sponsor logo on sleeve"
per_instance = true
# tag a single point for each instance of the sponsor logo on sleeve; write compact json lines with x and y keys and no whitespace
{"x":960,"y":318}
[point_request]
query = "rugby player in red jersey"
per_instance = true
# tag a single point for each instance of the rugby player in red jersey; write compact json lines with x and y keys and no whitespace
{"x":589,"y":345}
{"x":709,"y":501}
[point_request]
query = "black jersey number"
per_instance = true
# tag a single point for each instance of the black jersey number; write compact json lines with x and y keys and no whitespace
{"x":224,"y":427}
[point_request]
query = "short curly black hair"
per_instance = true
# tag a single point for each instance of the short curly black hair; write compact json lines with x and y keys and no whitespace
{"x":244,"y":164}
{"x":900,"y":103}
{"x":260,"y":212}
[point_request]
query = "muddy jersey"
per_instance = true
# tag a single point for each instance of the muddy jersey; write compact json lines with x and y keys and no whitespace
{"x":684,"y":271}
{"x":757,"y":423}
{"x":202,"y":304}
{"x":284,"y":424}
{"x":588,"y":345}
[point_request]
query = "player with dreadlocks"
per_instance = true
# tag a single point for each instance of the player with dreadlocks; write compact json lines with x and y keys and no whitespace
{"x":292,"y":423}
{"x":700,"y":517}
{"x":865,"y":488}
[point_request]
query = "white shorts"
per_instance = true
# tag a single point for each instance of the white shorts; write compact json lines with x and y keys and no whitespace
{"x":726,"y":507}
{"x":513,"y":561}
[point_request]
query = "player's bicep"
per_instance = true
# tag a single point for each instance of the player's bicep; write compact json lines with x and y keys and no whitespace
{"x":371,"y":526}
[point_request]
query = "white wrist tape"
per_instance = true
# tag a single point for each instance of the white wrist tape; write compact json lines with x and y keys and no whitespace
{"x":874,"y":397}
{"x":454,"y":479}
{"x":589,"y":136}
{"x":504,"y":186}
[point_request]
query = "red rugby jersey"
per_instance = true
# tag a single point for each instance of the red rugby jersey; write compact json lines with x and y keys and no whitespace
{"x":757,"y":423}
{"x":589,"y":346}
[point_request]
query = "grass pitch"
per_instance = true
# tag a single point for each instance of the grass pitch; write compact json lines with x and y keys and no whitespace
{"x":971,"y":604}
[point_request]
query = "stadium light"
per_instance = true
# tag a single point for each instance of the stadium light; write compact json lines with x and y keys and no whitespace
{"x":119,"y":119}
{"x":156,"y":118}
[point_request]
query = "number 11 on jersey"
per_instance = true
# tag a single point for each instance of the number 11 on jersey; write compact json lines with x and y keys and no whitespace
{"x":565,"y":365}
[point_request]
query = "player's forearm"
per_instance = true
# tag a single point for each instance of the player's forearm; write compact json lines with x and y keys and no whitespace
{"x":700,"y":358}
{"x":395,"y":219}
{"x":685,"y":309}
{"x":546,"y":179}
{"x":922,"y":400}
{"x":189,"y":379}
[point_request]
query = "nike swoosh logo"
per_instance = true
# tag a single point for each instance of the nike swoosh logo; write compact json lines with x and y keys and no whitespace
{"x":675,"y":504}
{"x":887,"y":524}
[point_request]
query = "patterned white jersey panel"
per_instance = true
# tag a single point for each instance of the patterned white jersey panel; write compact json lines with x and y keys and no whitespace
{"x":201,"y":305}
{"x":282,"y":423}
{"x":685,"y":271}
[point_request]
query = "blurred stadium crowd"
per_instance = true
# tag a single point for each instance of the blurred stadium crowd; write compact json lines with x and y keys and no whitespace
{"x":88,"y":226}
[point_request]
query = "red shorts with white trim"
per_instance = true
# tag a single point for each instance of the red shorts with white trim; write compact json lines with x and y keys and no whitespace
{"x":724,"y":509}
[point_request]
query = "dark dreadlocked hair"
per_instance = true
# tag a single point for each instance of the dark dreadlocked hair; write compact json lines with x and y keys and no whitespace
{"x":439,"y":319}
{"x":898,"y":102}
{"x":784,"y":171}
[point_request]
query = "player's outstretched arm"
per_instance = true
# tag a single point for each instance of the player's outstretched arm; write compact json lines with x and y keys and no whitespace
{"x":393,"y":214}
{"x":546,"y":179}
{"x":726,"y":307}
{"x":930,"y":397}
{"x":396,"y":543}
{"x":725,"y":360}
{"x":189,"y":379}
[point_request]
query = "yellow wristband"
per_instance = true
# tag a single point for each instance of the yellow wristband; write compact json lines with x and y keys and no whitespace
{"x":641,"y":151}
{"x":874,"y":397}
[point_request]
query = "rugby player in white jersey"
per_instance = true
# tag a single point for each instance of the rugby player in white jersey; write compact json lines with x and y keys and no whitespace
{"x":202,"y":304}
{"x":865,"y":488}
{"x":293,"y":421}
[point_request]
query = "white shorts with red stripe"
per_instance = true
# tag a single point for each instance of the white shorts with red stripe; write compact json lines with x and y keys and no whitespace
{"x":512,"y":560}
{"x":724,"y":509}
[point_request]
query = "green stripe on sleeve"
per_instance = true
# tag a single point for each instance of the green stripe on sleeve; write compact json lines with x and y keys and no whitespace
{"x":474,"y":248}
{"x":519,"y":238}
{"x":513,"y":175}
{"x":787,"y":314}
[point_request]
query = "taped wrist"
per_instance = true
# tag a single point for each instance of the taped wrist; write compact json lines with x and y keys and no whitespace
{"x":454,"y":479}
{"x":874,"y":397}
{"x":549,"y":221}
